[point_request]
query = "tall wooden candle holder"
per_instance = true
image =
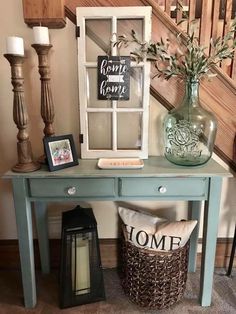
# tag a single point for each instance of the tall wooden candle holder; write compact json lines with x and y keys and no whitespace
{"x":47,"y":107}
{"x":20,"y":116}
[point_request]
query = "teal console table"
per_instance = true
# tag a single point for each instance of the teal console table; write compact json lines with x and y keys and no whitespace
{"x":158,"y":180}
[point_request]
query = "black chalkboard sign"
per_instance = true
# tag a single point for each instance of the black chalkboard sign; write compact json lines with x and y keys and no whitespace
{"x":113,"y":77}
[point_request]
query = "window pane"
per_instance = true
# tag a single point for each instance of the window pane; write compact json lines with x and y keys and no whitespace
{"x":124,"y":27}
{"x":92,"y":92}
{"x":136,"y":90}
{"x":99,"y":130}
{"x":129,"y":129}
{"x":98,"y":36}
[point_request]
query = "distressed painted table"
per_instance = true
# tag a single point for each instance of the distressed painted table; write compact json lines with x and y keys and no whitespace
{"x":158,"y":180}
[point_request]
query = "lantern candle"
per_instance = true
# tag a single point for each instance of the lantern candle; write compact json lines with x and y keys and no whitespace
{"x":81,"y":276}
{"x":15,"y":45}
{"x":80,"y":265}
{"x":41,"y":35}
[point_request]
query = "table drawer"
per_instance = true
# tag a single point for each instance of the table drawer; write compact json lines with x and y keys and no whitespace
{"x":72,"y":187}
{"x":147,"y":187}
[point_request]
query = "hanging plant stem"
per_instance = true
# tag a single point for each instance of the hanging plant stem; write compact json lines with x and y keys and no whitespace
{"x":190,"y":62}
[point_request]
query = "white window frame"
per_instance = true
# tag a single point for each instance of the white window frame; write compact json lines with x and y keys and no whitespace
{"x":113,"y":13}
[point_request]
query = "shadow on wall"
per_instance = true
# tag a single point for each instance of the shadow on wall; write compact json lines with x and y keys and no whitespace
{"x":229,"y":216}
{"x":6,"y":204}
{"x":167,"y":210}
{"x":32,"y":86}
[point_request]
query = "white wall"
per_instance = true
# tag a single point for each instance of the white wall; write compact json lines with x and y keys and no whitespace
{"x":63,"y":60}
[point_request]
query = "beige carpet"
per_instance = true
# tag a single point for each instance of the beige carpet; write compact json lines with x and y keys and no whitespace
{"x":223,"y":300}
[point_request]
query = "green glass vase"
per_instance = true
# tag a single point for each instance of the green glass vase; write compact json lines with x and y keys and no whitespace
{"x":189,"y":130}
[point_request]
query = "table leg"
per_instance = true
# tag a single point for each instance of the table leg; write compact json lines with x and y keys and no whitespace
{"x":25,"y":238}
{"x":40,"y":210}
{"x":210,"y":228}
{"x":195,"y":213}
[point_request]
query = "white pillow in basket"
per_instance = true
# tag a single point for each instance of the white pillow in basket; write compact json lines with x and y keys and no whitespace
{"x":139,"y":220}
{"x":155,"y":233}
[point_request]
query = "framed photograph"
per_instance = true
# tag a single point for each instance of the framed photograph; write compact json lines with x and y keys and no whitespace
{"x":60,"y":152}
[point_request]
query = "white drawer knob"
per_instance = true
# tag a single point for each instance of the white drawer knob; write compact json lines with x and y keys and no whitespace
{"x":71,"y":190}
{"x":162,"y":189}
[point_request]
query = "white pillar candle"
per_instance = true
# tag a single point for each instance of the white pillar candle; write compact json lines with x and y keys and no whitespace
{"x":41,"y":35}
{"x":80,"y":266}
{"x":15,"y":45}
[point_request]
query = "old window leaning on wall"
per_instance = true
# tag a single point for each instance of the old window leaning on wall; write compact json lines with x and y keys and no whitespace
{"x":112,"y":128}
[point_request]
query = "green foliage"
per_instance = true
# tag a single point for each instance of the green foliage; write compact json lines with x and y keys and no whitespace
{"x":190,"y":63}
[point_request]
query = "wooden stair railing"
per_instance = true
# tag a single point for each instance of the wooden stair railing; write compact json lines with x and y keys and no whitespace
{"x":217,"y":15}
{"x":217,"y":96}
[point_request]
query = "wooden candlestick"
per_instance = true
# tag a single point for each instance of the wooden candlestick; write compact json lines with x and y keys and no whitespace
{"x":47,"y":107}
{"x":20,"y":116}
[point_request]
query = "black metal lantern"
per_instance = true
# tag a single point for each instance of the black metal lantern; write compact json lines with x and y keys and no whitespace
{"x":81,"y":277}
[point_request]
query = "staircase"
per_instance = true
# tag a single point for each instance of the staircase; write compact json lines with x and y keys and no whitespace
{"x":218,"y":96}
{"x":196,"y":14}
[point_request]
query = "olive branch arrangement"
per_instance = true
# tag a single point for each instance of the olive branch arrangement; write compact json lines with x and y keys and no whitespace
{"x":191,"y":63}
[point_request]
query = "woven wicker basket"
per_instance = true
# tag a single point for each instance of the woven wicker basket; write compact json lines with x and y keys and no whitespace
{"x":155,"y":280}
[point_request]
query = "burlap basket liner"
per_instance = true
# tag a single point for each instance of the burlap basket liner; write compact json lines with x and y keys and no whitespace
{"x":155,"y":280}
